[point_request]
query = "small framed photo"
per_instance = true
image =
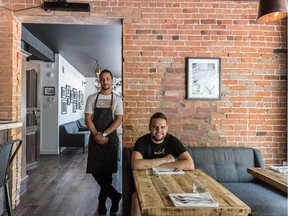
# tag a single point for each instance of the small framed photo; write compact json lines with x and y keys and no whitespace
{"x":64,"y":107}
{"x":68,"y":91}
{"x":203,"y":78}
{"x":49,"y":91}
{"x":68,"y":101}
{"x":74,"y":107}
{"x":74,"y":93}
{"x":63,"y":92}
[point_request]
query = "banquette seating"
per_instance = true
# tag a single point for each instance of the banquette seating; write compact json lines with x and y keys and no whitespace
{"x":81,"y":124}
{"x":71,"y":136}
{"x":228,"y":166}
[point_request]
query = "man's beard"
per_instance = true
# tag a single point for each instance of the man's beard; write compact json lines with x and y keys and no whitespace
{"x":161,"y":138}
{"x":105,"y":87}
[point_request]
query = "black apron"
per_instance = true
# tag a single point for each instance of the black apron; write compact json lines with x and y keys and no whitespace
{"x":103,"y":158}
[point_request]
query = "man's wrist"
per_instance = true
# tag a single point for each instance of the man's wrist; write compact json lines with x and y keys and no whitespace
{"x":104,"y":134}
{"x":94,"y":133}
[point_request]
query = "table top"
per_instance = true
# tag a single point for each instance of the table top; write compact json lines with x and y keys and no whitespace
{"x":272,"y":177}
{"x":154,"y":199}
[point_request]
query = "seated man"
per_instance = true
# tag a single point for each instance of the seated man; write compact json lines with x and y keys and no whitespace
{"x":159,"y":149}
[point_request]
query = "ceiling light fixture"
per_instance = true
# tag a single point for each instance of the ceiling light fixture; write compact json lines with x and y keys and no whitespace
{"x":272,"y":10}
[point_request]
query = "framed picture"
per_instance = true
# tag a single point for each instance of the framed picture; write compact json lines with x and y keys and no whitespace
{"x":203,"y":78}
{"x":74,"y":93}
{"x":77,"y":96}
{"x":68,"y":91}
{"x":68,"y":101}
{"x":63,"y":92}
{"x":74,"y":107}
{"x":49,"y":91}
{"x":82,"y":98}
{"x":64,"y":107}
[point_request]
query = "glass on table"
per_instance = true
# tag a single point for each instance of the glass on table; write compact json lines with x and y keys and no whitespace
{"x":285,"y":167}
{"x":151,"y":171}
{"x":199,"y":184}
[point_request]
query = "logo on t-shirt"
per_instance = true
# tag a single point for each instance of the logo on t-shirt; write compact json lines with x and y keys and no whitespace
{"x":159,"y":152}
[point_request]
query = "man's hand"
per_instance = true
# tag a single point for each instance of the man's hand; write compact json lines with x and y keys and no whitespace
{"x":169,"y":159}
{"x":99,"y":138}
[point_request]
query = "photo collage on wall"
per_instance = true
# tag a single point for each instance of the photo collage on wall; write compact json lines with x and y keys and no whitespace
{"x":71,"y":97}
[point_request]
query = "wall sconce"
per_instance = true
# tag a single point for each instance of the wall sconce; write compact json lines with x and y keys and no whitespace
{"x":272,"y":10}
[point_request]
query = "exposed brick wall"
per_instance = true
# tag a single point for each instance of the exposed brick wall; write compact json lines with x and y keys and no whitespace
{"x":252,"y":110}
{"x":157,"y":37}
{"x":10,"y":91}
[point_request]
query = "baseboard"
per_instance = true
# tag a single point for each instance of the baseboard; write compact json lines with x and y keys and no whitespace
{"x":49,"y":152}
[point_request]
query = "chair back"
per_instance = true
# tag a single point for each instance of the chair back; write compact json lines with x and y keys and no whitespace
{"x":5,"y":153}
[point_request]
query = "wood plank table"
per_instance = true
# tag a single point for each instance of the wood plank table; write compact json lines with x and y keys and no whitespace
{"x":272,"y":177}
{"x":154,"y":200}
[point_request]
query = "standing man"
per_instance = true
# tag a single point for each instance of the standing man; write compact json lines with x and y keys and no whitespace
{"x":103,"y":115}
{"x":158,"y":149}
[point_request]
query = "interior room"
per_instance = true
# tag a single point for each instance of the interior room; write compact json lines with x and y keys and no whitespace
{"x":217,"y":70}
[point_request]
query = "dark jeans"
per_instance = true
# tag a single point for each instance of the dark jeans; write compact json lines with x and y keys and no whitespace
{"x":105,"y":183}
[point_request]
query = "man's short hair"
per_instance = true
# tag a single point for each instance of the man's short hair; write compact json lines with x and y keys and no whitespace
{"x":158,"y":115}
{"x":106,"y":71}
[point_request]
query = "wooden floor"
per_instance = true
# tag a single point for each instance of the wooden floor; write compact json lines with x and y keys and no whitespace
{"x":61,"y":187}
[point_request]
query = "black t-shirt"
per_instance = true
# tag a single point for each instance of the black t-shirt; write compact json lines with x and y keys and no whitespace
{"x":150,"y":150}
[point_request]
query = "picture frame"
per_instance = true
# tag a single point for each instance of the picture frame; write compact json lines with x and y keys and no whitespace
{"x":63,"y":106}
{"x":49,"y":91}
{"x":74,"y":93}
{"x":68,"y":101}
{"x":74,"y":107}
{"x":203,"y":78}
{"x":63,"y":92}
{"x":68,"y":91}
{"x":82,"y":99}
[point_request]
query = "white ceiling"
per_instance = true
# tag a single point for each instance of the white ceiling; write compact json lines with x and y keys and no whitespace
{"x":82,"y":44}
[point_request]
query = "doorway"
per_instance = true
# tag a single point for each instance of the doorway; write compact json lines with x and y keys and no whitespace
{"x":32,"y":135}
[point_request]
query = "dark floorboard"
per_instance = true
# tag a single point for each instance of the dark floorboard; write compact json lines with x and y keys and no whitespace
{"x":61,"y":187}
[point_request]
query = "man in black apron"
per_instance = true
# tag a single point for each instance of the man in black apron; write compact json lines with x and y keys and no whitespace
{"x":103,"y":115}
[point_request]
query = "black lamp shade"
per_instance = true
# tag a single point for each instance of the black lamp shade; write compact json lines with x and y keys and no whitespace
{"x":272,"y":10}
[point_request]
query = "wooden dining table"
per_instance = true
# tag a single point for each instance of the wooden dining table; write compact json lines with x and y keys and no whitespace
{"x":155,"y":201}
{"x":272,"y":177}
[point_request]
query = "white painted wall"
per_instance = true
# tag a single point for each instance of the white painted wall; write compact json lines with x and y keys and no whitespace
{"x":49,"y":108}
{"x":90,"y":87}
{"x":68,"y":75}
{"x":63,"y":74}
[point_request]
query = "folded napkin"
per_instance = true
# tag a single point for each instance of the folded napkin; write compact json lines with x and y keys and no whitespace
{"x":161,"y":170}
{"x":193,"y":199}
{"x":281,"y":169}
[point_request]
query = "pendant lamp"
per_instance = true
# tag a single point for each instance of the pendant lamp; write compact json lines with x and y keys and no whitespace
{"x":97,"y":69}
{"x":97,"y":73}
{"x":272,"y":10}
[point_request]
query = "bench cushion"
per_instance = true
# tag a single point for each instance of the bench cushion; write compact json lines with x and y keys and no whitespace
{"x":81,"y":125}
{"x":260,"y":198}
{"x":71,"y":127}
{"x":226,"y":164}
